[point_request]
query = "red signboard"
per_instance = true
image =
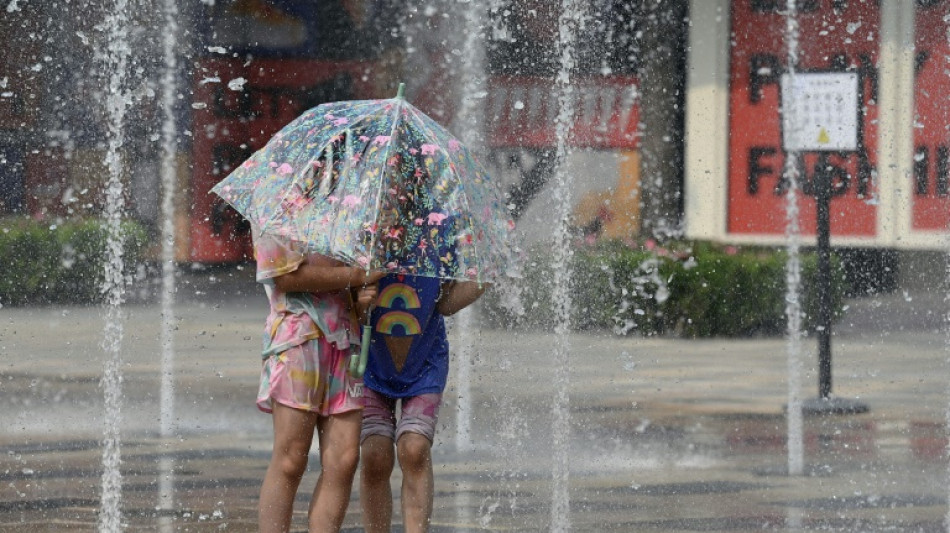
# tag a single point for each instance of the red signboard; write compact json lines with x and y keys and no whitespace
{"x":931,"y":183}
{"x":836,"y":36}
{"x":239,"y":105}
{"x":523,"y":109}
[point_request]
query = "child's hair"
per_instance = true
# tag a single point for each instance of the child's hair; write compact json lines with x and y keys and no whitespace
{"x":323,"y":176}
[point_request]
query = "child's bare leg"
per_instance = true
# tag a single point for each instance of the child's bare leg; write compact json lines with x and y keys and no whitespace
{"x":415,"y":460}
{"x":376,"y":496}
{"x":293,"y":434}
{"x":339,"y":454}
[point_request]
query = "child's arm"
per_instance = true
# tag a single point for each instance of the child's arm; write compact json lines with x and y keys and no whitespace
{"x":457,"y":295}
{"x":322,"y":274}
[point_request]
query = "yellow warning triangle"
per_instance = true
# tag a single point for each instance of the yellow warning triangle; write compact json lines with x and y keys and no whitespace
{"x":823,"y":137}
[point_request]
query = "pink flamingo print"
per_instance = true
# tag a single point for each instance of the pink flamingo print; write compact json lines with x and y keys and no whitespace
{"x":436,"y":219}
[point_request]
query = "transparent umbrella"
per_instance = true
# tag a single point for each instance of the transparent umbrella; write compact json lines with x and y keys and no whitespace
{"x":378,"y":184}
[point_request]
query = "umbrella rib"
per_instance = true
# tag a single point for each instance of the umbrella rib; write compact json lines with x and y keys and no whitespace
{"x":475,"y":248}
{"x":379,"y":195}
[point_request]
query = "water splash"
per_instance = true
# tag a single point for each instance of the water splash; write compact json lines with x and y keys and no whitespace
{"x":166,"y":497}
{"x":946,"y":298}
{"x":166,"y":482}
{"x":116,"y":63}
{"x":168,"y":177}
{"x":947,"y":344}
{"x":463,"y":376}
{"x":472,"y":76}
{"x":511,"y":431}
{"x":793,"y":274}
{"x":569,"y":23}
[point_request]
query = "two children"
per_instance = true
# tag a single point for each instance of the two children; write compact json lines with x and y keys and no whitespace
{"x":314,"y":305}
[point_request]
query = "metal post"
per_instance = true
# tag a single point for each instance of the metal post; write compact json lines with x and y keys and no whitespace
{"x":825,"y":404}
{"x":823,"y":281}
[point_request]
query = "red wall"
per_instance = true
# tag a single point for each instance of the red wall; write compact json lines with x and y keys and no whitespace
{"x":836,"y":36}
{"x":231,"y":125}
{"x":931,"y":183}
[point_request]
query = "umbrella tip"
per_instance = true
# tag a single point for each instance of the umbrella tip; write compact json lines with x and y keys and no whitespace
{"x":400,"y":92}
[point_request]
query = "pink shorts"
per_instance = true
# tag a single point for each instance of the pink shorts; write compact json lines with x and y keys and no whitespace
{"x":312,"y":377}
{"x":419,"y":414}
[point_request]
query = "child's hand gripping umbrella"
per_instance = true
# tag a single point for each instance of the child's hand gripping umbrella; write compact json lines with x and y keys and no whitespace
{"x":379,"y":185}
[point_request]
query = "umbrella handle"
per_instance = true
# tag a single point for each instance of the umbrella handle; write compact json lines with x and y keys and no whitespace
{"x":364,"y":348}
{"x":358,"y":360}
{"x":354,"y":362}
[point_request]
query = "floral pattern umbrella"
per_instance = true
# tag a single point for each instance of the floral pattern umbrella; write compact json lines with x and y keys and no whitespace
{"x":379,"y":184}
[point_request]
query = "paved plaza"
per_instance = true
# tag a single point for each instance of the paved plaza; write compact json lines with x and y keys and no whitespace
{"x":666,"y":434}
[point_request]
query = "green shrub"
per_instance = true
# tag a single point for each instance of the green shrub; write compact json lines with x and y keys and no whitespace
{"x":60,"y":263}
{"x":691,"y":289}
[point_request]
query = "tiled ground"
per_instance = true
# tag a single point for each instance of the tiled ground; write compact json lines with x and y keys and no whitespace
{"x":666,"y":434}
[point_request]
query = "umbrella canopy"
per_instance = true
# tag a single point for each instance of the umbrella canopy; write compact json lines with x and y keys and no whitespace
{"x":379,"y":184}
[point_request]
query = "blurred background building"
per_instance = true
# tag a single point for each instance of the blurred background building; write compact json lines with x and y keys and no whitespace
{"x":677,"y":128}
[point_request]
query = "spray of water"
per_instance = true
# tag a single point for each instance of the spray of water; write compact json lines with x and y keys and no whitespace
{"x":115,"y":63}
{"x":168,"y":174}
{"x":947,"y":346}
{"x":793,"y":275}
{"x":946,"y":21}
{"x":569,"y":23}
{"x":464,"y":324}
{"x":472,"y":77}
{"x":947,"y":349}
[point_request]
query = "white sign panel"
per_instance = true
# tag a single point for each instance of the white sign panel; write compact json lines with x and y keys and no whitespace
{"x":820,"y":111}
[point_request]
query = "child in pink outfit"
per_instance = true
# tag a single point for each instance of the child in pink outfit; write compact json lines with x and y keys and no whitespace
{"x":304,"y":380}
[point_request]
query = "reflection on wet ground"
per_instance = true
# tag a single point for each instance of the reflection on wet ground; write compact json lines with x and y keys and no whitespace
{"x":667,"y":434}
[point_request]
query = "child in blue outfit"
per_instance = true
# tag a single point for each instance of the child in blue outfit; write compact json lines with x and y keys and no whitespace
{"x":408,"y":365}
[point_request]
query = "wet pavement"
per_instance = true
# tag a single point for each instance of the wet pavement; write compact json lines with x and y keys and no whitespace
{"x":666,"y":434}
